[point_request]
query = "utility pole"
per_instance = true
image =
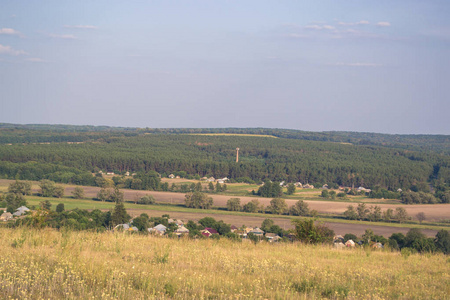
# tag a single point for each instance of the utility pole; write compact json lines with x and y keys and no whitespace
{"x":237,"y":154}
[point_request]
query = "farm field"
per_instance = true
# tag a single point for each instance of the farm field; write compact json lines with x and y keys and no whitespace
{"x":43,"y":264}
{"x":434,"y":212}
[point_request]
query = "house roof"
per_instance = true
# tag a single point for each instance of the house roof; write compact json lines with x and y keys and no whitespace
{"x":256,"y":230}
{"x":23,"y":208}
{"x":271,"y":235}
{"x":211,"y":230}
{"x":182,"y":229}
{"x":233,"y":227}
{"x":160,"y":227}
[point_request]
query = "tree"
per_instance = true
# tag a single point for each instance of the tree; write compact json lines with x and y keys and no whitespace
{"x":14,"y":201}
{"x":442,"y":241}
{"x":47,"y":188}
{"x":119,"y":214}
{"x":399,"y":238}
{"x":58,"y":191}
{"x":207,"y":222}
{"x":308,"y":232}
{"x":198,"y":200}
{"x":234,"y":204}
{"x":103,"y":194}
{"x":421,"y":217}
{"x":266,"y":225}
{"x":211,"y":186}
{"x":401,"y":214}
{"x":45,"y":205}
{"x":198,"y":187}
{"x":333,"y":195}
{"x":300,"y":208}
{"x":388,"y":215}
{"x":78,"y":193}
{"x":350,"y":236}
{"x":147,"y":199}
{"x":141,"y":223}
{"x":253,"y":206}
{"x":362,"y":211}
{"x":325,"y":194}
{"x":218,"y":187}
{"x":368,"y":236}
{"x":375,"y":214}
{"x":117,"y":195}
{"x":60,"y":207}
{"x":413,"y":235}
{"x":20,"y":187}
{"x":351,"y":213}
{"x":278,"y":206}
{"x":291,"y":189}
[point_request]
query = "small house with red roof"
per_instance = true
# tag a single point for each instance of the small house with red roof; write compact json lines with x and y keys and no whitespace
{"x":209,"y":231}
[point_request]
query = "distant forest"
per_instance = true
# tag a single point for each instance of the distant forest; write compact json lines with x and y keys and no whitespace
{"x":66,"y":153}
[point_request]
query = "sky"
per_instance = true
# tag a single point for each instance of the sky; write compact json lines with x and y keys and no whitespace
{"x":349,"y":65}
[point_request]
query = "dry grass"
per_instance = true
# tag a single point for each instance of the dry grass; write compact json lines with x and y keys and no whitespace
{"x":84,"y":265}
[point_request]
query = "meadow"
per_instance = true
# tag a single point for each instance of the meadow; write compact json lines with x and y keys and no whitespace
{"x":38,"y":264}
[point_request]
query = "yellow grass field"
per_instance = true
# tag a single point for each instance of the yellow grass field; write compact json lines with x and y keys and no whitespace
{"x":50,"y":264}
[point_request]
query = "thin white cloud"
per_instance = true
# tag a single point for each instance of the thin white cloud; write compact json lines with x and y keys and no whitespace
{"x":296,"y":35}
{"x":320,"y":27}
{"x":10,"y":51}
{"x":357,"y":64}
{"x":81,"y":26}
{"x":9,"y":31}
{"x":362,"y":22}
{"x":63,"y":36}
{"x":383,"y":24}
{"x":35,"y":59}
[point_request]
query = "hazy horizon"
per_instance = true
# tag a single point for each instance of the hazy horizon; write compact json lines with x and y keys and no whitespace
{"x":353,"y":65}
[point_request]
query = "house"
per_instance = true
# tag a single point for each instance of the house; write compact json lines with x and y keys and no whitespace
{"x":172,"y":176}
{"x":308,"y":186}
{"x":399,"y":190}
{"x":338,"y":239}
{"x":177,"y":177}
{"x":127,"y":174}
{"x":211,"y":179}
{"x":126,"y":227}
{"x":20,"y":211}
{"x":350,"y":243}
{"x":158,"y":229}
{"x":325,"y":186}
{"x":209,"y":231}
{"x":256,"y":231}
{"x":220,"y":181}
{"x":6,"y":216}
{"x":282,"y":183}
{"x":298,"y":184}
{"x":272,"y":237}
{"x":361,"y":189}
{"x":204,"y":178}
{"x":110,"y":173}
{"x":233,"y":228}
{"x":178,"y":222}
{"x":181,"y":230}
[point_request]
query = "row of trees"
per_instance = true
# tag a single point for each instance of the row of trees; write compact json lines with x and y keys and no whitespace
{"x":375,"y":214}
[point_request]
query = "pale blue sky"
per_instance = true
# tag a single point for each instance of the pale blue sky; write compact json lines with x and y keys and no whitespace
{"x":354,"y":65}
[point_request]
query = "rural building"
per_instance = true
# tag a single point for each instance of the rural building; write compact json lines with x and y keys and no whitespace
{"x":350,"y":243}
{"x":171,"y":176}
{"x":20,"y":211}
{"x":126,"y":227}
{"x":158,"y":229}
{"x":256,"y":231}
{"x":209,"y":231}
{"x":6,"y":216}
{"x":272,"y":237}
{"x":233,"y":228}
{"x":181,"y":230}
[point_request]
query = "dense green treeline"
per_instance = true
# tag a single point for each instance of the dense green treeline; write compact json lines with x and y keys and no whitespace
{"x":260,"y":158}
{"x":41,"y":133}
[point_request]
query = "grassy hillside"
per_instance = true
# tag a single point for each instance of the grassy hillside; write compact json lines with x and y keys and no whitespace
{"x":84,"y":265}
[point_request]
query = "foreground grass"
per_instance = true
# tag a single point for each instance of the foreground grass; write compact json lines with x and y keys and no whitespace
{"x":38,"y":264}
